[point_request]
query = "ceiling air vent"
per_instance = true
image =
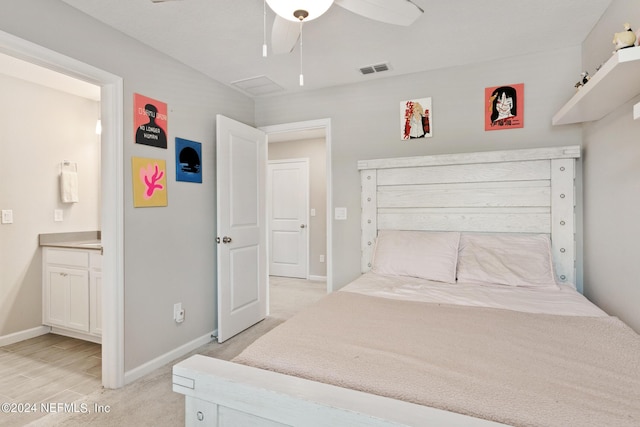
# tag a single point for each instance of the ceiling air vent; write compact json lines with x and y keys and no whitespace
{"x":256,"y":86}
{"x":378,"y":68}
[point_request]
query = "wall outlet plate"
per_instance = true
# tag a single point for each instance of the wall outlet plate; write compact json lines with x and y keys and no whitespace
{"x":178,"y":312}
{"x":7,"y":216}
{"x":340,"y":214}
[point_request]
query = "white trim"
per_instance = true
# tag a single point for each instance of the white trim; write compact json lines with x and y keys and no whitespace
{"x":112,"y":196}
{"x":24,"y":335}
{"x":315,"y":124}
{"x":318,"y":278}
{"x":168,"y":357}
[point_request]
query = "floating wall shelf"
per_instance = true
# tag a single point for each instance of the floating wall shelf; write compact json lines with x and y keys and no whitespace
{"x":615,"y":83}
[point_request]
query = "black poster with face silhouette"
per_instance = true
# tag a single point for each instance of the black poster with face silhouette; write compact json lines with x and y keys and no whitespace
{"x":150,"y":121}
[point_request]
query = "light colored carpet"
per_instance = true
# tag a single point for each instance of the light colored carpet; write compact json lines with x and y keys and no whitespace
{"x":150,"y":401}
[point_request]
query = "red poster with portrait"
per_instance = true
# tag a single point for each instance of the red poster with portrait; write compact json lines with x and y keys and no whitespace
{"x":504,"y":107}
{"x":150,"y":121}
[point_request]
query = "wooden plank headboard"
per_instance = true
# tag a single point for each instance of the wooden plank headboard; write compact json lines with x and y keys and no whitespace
{"x":514,"y":191}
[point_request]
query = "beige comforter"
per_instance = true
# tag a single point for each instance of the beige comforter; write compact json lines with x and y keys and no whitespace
{"x":516,"y":368}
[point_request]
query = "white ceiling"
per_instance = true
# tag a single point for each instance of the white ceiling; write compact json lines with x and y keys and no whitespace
{"x":223,"y":38}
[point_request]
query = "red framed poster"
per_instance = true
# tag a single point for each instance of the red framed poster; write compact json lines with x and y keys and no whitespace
{"x":504,"y":107}
{"x":150,"y":121}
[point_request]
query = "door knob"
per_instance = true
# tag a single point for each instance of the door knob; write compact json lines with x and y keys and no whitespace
{"x":226,"y":239}
{"x":302,"y":226}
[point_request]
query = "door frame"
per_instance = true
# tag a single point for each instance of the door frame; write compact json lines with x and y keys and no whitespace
{"x":308,"y":125}
{"x":304,"y":160}
{"x":112,"y":190}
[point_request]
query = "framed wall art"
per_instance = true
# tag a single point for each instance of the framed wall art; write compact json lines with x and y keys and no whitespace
{"x":504,"y":107}
{"x":416,"y":119}
{"x":149,"y":178}
{"x":150,"y":121}
{"x":188,"y":161}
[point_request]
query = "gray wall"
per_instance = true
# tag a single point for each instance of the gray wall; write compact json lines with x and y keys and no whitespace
{"x":612,"y":185}
{"x":40,"y":128}
{"x":315,"y":151}
{"x":169,"y":252}
{"x":365,"y":124}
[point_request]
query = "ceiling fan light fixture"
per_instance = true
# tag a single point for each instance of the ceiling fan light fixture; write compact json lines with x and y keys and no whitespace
{"x":295,"y":10}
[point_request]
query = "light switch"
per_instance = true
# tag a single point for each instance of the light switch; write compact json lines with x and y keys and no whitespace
{"x":313,"y":212}
{"x":7,"y":216}
{"x":58,"y":215}
{"x":341,"y":213}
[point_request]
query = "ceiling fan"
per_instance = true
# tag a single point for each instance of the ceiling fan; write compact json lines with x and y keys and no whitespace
{"x":289,"y":13}
{"x":285,"y":31}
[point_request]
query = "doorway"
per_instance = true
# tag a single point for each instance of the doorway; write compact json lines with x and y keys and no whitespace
{"x":307,"y":131}
{"x":111,"y":194}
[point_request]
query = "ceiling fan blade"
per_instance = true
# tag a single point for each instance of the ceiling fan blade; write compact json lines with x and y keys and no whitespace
{"x":398,"y":12}
{"x":284,"y":35}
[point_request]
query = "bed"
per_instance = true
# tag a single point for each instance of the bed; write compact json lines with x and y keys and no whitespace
{"x":466,"y":313}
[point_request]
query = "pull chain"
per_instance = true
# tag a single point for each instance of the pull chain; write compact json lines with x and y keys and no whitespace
{"x":264,"y":28}
{"x":301,"y":76}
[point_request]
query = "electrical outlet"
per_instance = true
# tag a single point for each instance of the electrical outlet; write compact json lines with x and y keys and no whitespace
{"x":177,"y":308}
{"x":58,"y":215}
{"x":321,"y":258}
{"x":7,"y":216}
{"x":340,"y":214}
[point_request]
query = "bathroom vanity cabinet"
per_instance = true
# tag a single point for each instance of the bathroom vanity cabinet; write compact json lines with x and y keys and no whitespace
{"x":72,"y":289}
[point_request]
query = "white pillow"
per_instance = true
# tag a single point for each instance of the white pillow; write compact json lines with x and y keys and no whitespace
{"x":506,"y":259}
{"x":425,"y":254}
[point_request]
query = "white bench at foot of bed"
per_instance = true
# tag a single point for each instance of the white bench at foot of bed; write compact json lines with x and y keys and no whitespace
{"x":221,"y":393}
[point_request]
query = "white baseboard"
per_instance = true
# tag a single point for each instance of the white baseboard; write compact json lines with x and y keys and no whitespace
{"x":318,"y":278}
{"x":24,"y":335}
{"x":78,"y":335}
{"x":168,"y":357}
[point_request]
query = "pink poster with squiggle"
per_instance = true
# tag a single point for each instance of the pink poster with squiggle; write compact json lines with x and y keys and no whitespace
{"x":149,"y":178}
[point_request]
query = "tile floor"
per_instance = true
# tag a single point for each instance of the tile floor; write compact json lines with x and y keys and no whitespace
{"x":49,"y":369}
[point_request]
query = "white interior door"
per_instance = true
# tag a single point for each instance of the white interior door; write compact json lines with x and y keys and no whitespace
{"x":242,"y":253}
{"x":288,"y":218}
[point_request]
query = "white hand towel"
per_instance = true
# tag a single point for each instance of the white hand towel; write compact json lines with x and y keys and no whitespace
{"x":69,"y":186}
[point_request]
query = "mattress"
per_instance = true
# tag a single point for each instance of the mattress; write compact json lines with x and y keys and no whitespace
{"x":405,"y":339}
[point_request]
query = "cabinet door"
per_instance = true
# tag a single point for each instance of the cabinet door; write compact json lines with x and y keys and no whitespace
{"x":68,"y":298}
{"x":55,"y":297}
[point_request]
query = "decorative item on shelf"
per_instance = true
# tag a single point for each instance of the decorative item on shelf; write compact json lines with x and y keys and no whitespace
{"x":584,"y":78}
{"x":624,"y":39}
